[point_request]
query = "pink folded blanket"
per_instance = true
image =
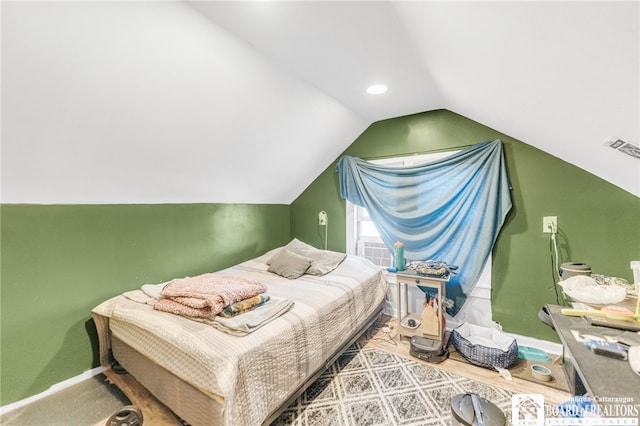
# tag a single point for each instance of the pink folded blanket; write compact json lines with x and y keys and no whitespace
{"x":206,"y":295}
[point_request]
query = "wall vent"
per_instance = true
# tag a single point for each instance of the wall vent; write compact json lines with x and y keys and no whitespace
{"x":626,"y":147}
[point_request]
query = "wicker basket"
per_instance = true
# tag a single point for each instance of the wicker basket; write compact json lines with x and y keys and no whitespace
{"x":484,"y":346}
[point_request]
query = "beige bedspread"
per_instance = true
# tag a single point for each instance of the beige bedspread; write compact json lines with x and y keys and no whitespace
{"x":255,"y":373}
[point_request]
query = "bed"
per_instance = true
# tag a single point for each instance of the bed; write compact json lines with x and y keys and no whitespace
{"x":212,"y":377}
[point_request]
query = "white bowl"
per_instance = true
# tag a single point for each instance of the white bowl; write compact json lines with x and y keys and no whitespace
{"x":540,"y":372}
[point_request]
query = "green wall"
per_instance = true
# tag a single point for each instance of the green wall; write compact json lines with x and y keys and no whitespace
{"x":599,"y":223}
{"x":59,"y":261}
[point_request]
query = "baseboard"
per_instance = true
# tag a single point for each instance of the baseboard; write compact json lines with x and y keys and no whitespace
{"x":52,"y":390}
{"x":551,"y":348}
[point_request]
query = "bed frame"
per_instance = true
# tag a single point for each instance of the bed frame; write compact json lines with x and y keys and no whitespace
{"x":200,"y":408}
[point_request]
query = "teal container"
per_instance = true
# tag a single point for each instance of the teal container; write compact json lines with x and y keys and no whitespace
{"x":398,"y":256}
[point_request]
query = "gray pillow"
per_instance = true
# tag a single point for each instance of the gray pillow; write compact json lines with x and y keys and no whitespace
{"x":323,"y":261}
{"x":289,"y":264}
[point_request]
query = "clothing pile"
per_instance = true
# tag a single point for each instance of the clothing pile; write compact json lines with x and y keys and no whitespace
{"x":208,"y":295}
{"x":432,"y":268}
{"x":231,"y":304}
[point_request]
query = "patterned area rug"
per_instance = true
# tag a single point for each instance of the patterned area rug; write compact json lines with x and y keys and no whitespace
{"x":367,"y":386}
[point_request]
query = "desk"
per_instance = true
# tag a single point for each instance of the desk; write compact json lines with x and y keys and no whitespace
{"x":602,"y":377}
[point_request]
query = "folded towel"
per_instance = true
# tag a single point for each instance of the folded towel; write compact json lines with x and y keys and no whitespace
{"x":238,"y":325}
{"x":140,"y":297}
{"x":153,"y":290}
{"x":244,"y":306}
{"x":241,"y":325}
{"x":148,"y":294}
{"x":206,"y":295}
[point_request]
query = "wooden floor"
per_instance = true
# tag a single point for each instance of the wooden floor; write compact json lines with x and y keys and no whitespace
{"x":156,"y":413}
{"x":390,"y":343}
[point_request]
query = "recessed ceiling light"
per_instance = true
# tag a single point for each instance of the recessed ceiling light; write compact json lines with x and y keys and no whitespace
{"x":376,"y":89}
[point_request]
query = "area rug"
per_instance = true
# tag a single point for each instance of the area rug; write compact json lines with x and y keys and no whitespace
{"x":368,"y":387}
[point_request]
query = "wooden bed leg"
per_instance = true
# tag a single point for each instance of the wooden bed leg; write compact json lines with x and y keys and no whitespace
{"x":153,"y":411}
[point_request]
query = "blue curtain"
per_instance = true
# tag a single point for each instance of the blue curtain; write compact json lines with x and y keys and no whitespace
{"x":450,"y":210}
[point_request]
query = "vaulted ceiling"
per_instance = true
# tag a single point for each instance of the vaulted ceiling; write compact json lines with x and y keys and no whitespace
{"x":247,"y":102}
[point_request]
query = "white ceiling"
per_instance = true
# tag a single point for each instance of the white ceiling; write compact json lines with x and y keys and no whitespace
{"x":247,"y":102}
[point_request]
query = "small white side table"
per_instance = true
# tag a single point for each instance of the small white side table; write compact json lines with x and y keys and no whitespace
{"x":436,"y":288}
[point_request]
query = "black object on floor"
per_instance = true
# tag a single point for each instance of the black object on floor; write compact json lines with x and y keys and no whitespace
{"x":126,"y":416}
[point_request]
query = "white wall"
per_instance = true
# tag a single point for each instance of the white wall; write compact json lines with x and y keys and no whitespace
{"x":152,"y":101}
{"x":145,"y":102}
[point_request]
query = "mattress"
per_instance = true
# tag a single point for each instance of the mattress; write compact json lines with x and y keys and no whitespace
{"x":252,"y":375}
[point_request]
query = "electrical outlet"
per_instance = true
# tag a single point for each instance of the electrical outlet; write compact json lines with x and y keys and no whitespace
{"x":322,"y":218}
{"x":550,"y":224}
